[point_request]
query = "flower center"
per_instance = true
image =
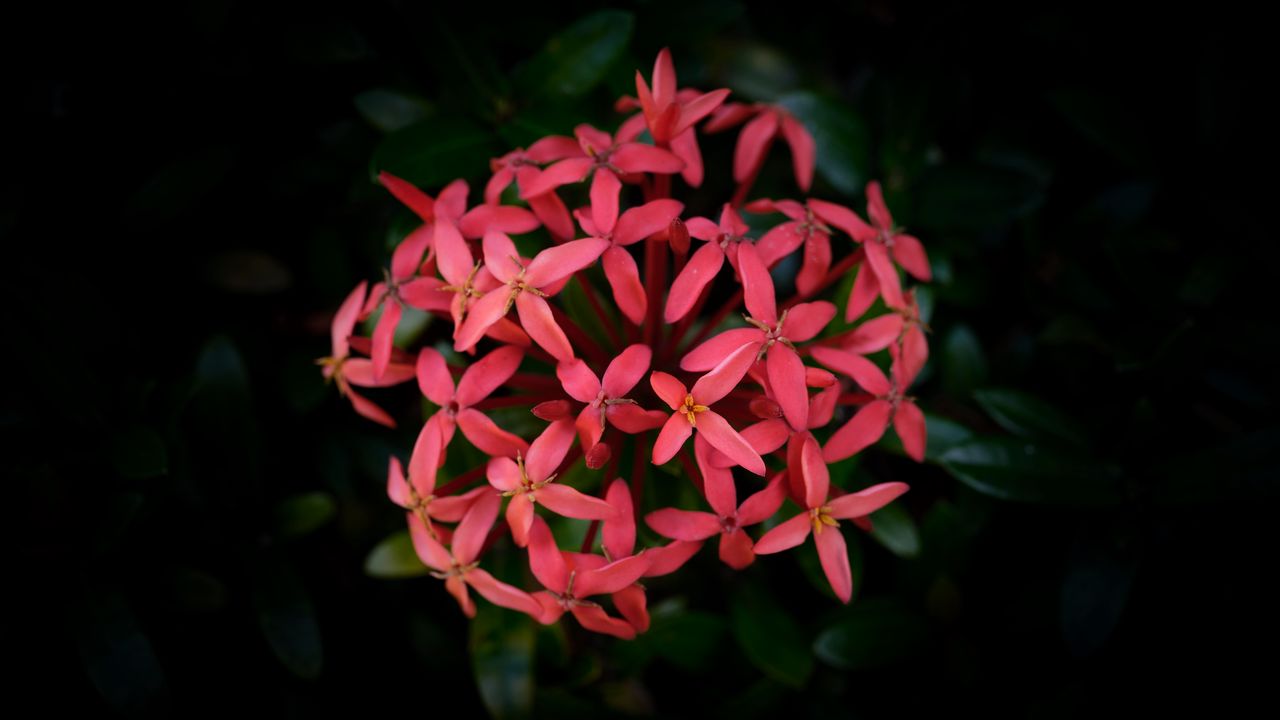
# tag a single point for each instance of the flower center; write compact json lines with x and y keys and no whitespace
{"x":821,"y":517}
{"x":691,"y":410}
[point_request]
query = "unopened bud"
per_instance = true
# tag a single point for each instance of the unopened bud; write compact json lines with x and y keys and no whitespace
{"x":552,"y":410}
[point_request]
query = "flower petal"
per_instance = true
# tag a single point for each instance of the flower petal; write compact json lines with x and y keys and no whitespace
{"x":366,"y":408}
{"x":485,"y":434}
{"x":863,"y":371}
{"x":564,"y":500}
{"x":548,"y":450}
{"x":561,"y":261}
{"x":761,"y":505}
{"x":909,"y":423}
{"x":702,"y":268}
{"x":359,"y":372}
{"x":626,"y":370}
{"x":408,"y":254}
{"x":670,"y":557}
{"x":502,"y":218}
{"x":670,"y":390}
{"x":521,"y":519}
{"x":698,"y":108}
{"x":724,"y":438}
{"x":488,"y":374}
{"x":785,"y":536}
{"x":752,"y":143}
{"x":570,"y":170}
{"x":503,"y":474}
{"x":711,"y":352}
{"x":806,"y":320}
{"x":612,"y":577}
{"x":501,"y":257}
{"x":886,"y":275}
{"x":874,"y":335}
{"x":384,"y":334}
{"x":736,"y":549}
{"x":803,"y":150}
{"x":502,"y":594}
{"x":866,"y":427}
{"x":639,"y":223}
{"x":676,"y":430}
{"x":816,"y":264}
{"x":578,"y":381}
{"x":482,"y":315}
{"x":633,"y":606}
{"x":685,"y":147}
{"x":723,"y":378}
{"x":863,"y":294}
{"x":757,"y":285}
{"x":632,"y":419}
{"x":433,"y":377}
{"x":664,"y":79}
{"x":637,"y":158}
{"x":834,"y":555}
{"x":843,"y":218}
{"x":397,"y":485}
{"x":419,"y":202}
{"x":545,"y":559}
{"x":717,"y":480}
{"x":619,"y":532}
{"x":910,"y":254}
{"x":344,"y":320}
{"x":453,"y":255}
{"x":470,"y":534}
{"x":429,"y":550}
{"x":865,"y":502}
{"x":786,"y":377}
{"x":536,"y":317}
{"x":595,"y":619}
{"x":605,"y":187}
{"x":624,"y":278}
{"x":683,"y":524}
{"x":814,"y":473}
{"x":876,"y":209}
{"x":424,"y":463}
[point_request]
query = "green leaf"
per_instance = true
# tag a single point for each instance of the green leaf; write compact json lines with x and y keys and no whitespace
{"x":770,"y":636}
{"x":1028,"y":416}
{"x":138,"y":453}
{"x":117,"y":655}
{"x":894,"y":528}
{"x":394,"y":558}
{"x":841,"y":136}
{"x":299,"y":515}
{"x":286,"y":617}
{"x":502,"y":650}
{"x":391,"y":110}
{"x":434,"y":152}
{"x":1095,"y":588}
{"x":575,"y":60}
{"x":964,"y":365}
{"x":1021,"y":471}
{"x":871,"y":635}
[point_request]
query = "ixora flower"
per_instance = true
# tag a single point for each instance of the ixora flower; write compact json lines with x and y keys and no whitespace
{"x":550,"y":399}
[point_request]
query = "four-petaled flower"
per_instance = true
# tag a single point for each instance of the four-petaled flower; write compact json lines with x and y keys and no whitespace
{"x":344,"y":371}
{"x":607,"y":400}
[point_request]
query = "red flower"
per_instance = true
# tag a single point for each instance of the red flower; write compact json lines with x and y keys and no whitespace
{"x":692,"y":410}
{"x":607,"y":400}
{"x":620,"y":268}
{"x":345,"y":371}
{"x":821,"y":518}
{"x":767,"y":122}
{"x":872,"y":419}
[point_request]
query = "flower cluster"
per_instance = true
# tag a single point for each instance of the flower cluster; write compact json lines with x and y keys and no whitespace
{"x":745,"y":395}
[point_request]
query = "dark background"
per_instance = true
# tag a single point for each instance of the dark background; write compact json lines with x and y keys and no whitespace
{"x":187,"y":196}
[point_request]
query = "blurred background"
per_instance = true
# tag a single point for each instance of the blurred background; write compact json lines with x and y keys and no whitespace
{"x":196,"y":518}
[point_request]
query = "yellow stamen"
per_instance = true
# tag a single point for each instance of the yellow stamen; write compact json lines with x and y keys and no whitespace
{"x":691,"y":410}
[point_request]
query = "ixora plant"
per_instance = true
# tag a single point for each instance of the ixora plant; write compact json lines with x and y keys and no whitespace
{"x":739,"y":409}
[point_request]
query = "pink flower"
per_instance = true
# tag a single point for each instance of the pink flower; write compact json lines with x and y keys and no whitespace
{"x":345,"y":371}
{"x":767,"y":122}
{"x":607,"y":400}
{"x":872,"y":419}
{"x":530,"y":479}
{"x":722,"y":241}
{"x":521,"y":166}
{"x":773,"y":336}
{"x":821,"y":519}
{"x":620,"y":268}
{"x":607,"y":159}
{"x":805,"y":227}
{"x":692,"y":410}
{"x":527,"y":286}
{"x":458,"y":566}
{"x":571,"y":578}
{"x":477,"y":382}
{"x":728,"y":519}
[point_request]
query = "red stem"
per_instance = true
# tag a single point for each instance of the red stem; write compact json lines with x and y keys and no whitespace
{"x":595,"y":305}
{"x":462,"y":480}
{"x":691,"y":468}
{"x":580,"y":339}
{"x":513,"y":401}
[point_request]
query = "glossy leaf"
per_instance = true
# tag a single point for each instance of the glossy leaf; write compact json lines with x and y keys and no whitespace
{"x":502,"y":648}
{"x":871,"y":635}
{"x":1021,"y":471}
{"x":769,"y":636}
{"x":286,"y":617}
{"x":434,"y":152}
{"x":577,"y":59}
{"x":894,"y":528}
{"x":394,"y":558}
{"x":301,"y":514}
{"x":1028,"y":416}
